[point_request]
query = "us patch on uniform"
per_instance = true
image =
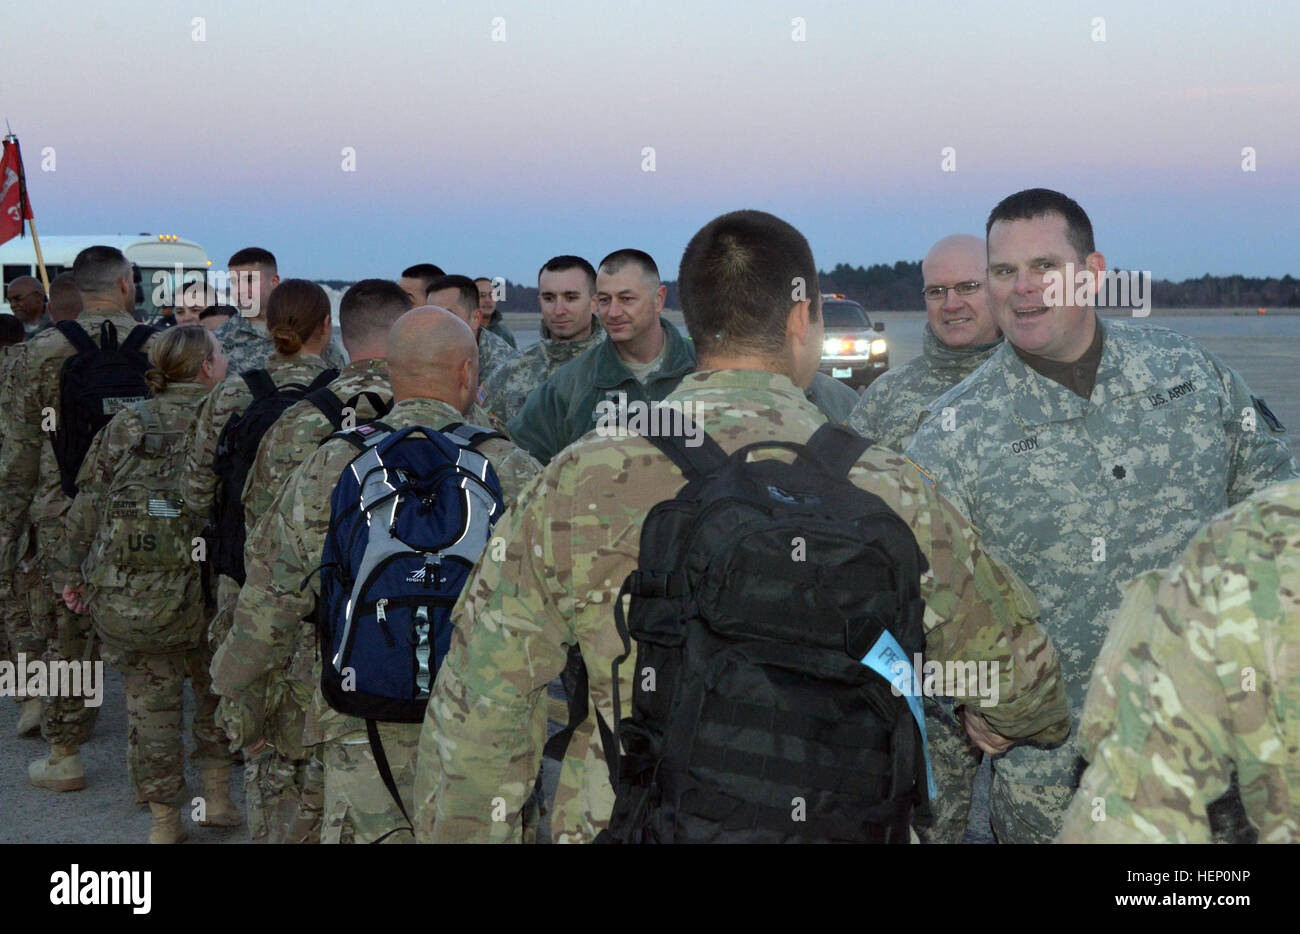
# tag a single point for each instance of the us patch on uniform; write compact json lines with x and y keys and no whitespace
{"x":165,"y":508}
{"x":1271,"y":420}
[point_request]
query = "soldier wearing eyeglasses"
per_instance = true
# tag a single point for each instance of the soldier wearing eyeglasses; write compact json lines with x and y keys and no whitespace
{"x":960,"y":334}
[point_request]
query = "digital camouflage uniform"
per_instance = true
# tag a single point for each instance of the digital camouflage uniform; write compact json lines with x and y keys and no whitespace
{"x":887,"y":413}
{"x":502,"y":330}
{"x":284,"y":549}
{"x":1079,"y":496}
{"x":492,"y":352}
{"x":1200,"y":678}
{"x":35,"y":505}
{"x":286,"y":782}
{"x":568,"y":548}
{"x":890,"y":407}
{"x":248,"y":346}
{"x":517,"y":377}
{"x":835,"y":399}
{"x":151,"y":619}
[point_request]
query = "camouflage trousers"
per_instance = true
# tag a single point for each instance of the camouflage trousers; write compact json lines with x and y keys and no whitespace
{"x":155,"y":750}
{"x":66,"y":636}
{"x":285,"y":798}
{"x":954,"y":763}
{"x":19,"y":635}
{"x":358,"y":806}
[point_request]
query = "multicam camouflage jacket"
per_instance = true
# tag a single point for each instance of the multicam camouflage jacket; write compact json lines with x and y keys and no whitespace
{"x":891,"y":406}
{"x":1198,"y":678}
{"x":29,"y":473}
{"x":128,"y":538}
{"x":1080,"y":495}
{"x":287,"y":688}
{"x":567,"y":549}
{"x":285,"y":548}
{"x":520,"y":375}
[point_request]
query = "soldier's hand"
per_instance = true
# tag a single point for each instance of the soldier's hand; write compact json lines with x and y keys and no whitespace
{"x":250,"y":751}
{"x":74,"y":601}
{"x":983,"y":735}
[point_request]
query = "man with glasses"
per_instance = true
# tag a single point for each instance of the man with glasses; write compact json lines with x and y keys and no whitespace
{"x":27,"y":301}
{"x":960,"y":334}
{"x":1087,"y":451}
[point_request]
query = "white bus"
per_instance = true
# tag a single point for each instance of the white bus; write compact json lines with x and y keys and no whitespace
{"x":153,"y":253}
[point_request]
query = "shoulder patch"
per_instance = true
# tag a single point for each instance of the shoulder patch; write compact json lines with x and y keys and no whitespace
{"x":927,"y":479}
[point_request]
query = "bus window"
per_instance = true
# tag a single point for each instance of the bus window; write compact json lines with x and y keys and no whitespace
{"x":13,"y":272}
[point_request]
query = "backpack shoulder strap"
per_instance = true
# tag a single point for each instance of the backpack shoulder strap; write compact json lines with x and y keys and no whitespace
{"x":363,"y":437}
{"x":136,"y":339}
{"x":381,"y":405}
{"x":322,"y":380}
{"x":259,"y":382}
{"x":836,"y":447}
{"x":695,"y":462}
{"x":469,"y":436}
{"x":329,"y":405}
{"x":76,"y":336}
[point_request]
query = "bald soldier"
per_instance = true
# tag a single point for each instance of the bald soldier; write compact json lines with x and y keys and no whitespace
{"x":284,"y":787}
{"x":433,"y":366}
{"x":960,"y":334}
{"x":35,"y":502}
{"x":1199,"y":679}
{"x":1087,"y":451}
{"x":574,"y":539}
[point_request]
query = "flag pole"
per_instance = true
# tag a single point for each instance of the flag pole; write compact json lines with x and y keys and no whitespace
{"x":22,"y":213}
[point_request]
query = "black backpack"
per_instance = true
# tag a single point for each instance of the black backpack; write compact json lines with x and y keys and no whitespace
{"x":95,"y":384}
{"x":762,"y":589}
{"x":236,"y":451}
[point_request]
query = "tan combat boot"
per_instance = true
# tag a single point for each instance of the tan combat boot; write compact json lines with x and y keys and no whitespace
{"x":29,"y":717}
{"x":218,"y":809}
{"x":60,"y":771}
{"x":166,"y":826}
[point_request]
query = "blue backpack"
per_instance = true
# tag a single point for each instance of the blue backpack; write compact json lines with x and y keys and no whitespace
{"x":409,"y":517}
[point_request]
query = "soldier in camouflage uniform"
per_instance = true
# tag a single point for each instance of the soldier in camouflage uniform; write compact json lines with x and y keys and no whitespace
{"x":35,"y":504}
{"x":284,"y":788}
{"x":492,"y":318}
{"x":125,"y":558}
{"x":248,"y":346}
{"x":573,"y":540}
{"x":1086,"y":451}
{"x":297,"y":362}
{"x":1200,"y":678}
{"x":431,"y":357}
{"x":566,"y":297}
{"x":960,"y":334}
{"x":459,"y":295}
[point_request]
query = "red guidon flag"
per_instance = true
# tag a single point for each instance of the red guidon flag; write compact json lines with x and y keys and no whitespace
{"x":14,"y":206}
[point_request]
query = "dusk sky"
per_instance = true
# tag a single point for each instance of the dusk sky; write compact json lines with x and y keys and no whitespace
{"x":488,"y":157}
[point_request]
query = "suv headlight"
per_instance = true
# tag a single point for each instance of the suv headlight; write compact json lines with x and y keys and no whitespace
{"x":831,"y":347}
{"x":878,"y":347}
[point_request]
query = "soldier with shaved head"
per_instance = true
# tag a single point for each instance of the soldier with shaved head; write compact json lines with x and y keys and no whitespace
{"x":433,"y":368}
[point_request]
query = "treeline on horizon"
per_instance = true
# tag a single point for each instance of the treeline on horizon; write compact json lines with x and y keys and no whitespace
{"x":883,"y":287}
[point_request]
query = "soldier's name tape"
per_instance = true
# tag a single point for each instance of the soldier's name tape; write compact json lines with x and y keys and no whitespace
{"x":27,"y":679}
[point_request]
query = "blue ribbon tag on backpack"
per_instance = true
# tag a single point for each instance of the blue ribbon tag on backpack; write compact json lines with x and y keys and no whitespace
{"x":887,"y":659}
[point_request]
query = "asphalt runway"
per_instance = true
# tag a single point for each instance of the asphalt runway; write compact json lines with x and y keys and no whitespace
{"x":1264,"y":349}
